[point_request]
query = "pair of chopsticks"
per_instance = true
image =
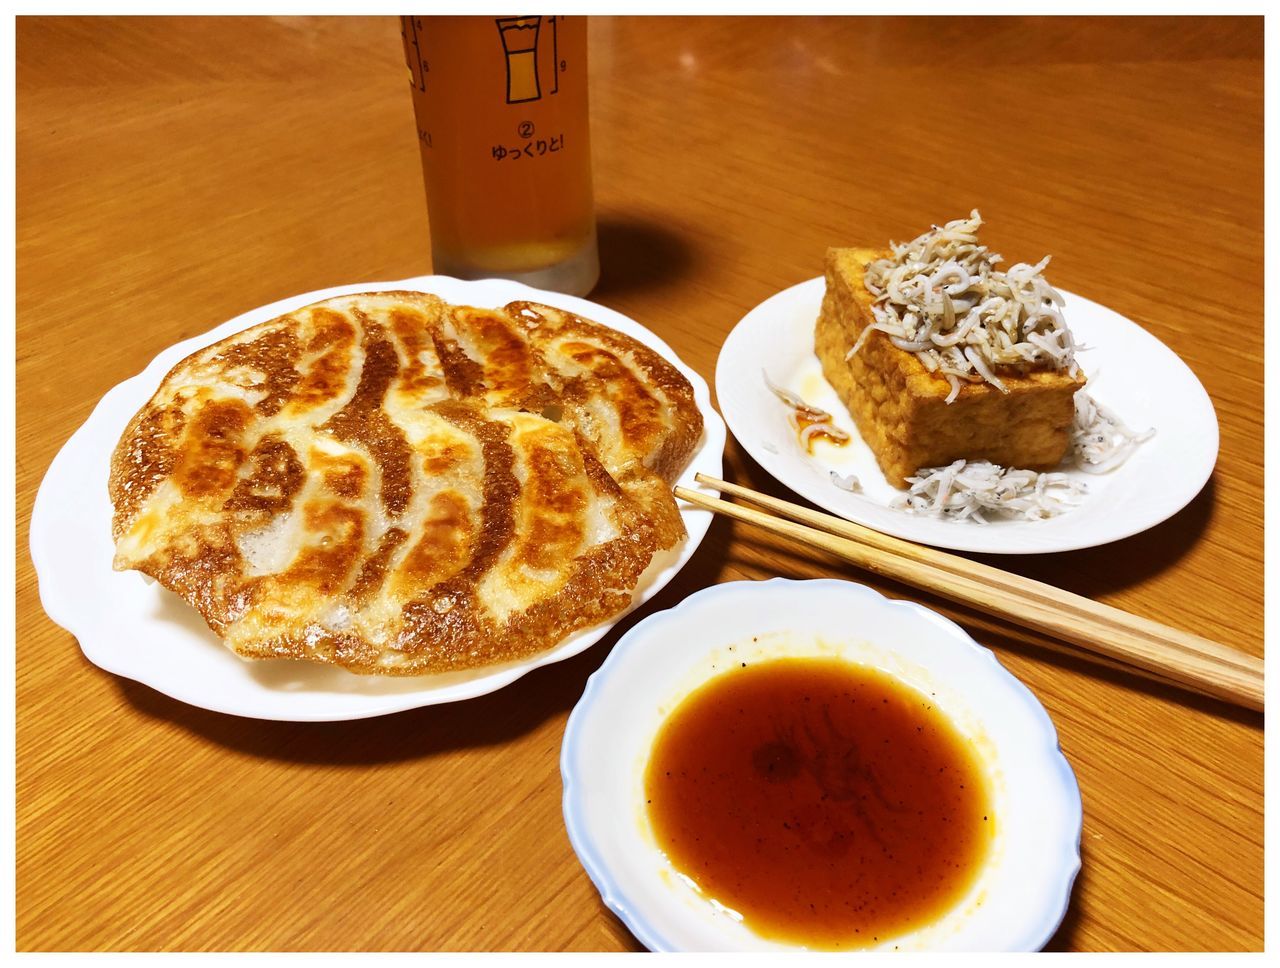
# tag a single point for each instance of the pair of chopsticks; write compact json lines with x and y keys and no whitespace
{"x":1111,"y":636}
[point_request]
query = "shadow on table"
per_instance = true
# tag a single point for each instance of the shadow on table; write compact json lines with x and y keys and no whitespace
{"x":638,"y":254}
{"x":1091,"y":572}
{"x":489,"y":720}
{"x":1120,"y":564}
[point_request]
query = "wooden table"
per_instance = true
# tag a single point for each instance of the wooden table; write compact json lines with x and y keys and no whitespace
{"x":174,"y":173}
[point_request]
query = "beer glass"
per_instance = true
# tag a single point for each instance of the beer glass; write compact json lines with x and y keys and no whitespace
{"x":501,"y":107}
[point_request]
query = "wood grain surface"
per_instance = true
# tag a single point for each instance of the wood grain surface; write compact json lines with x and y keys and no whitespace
{"x":173,"y":173}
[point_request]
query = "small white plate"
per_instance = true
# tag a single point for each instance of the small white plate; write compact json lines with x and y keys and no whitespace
{"x":1021,"y":893}
{"x":1129,"y":370}
{"x":141,"y":631}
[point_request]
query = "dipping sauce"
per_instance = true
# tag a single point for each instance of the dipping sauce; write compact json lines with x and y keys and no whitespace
{"x":828,"y":803}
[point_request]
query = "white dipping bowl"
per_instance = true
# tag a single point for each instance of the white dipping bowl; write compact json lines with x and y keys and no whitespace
{"x":1019,"y":895}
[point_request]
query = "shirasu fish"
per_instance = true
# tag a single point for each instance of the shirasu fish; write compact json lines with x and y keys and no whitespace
{"x":941,"y":297}
{"x":977,"y":490}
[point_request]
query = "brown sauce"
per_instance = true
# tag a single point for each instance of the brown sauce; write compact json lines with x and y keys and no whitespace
{"x":827,"y":803}
{"x":804,"y":418}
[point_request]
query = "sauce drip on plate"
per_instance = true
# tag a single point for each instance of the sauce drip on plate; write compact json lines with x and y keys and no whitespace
{"x":827,"y":803}
{"x":812,"y":423}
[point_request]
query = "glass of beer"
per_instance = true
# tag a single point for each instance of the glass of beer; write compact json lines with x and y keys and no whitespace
{"x":501,"y":106}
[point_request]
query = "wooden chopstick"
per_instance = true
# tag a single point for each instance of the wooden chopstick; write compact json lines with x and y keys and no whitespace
{"x":746,"y":514}
{"x":1123,"y":640}
{"x":964,"y":567}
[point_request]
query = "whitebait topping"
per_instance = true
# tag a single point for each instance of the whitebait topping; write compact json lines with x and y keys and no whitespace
{"x":972,"y":490}
{"x":847,"y":482}
{"x":1100,"y":443}
{"x":977,"y":490}
{"x":941,"y":297}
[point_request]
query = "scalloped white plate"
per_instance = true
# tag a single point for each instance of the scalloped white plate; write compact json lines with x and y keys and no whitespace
{"x":141,"y":631}
{"x":1021,"y":893}
{"x":1129,"y":370}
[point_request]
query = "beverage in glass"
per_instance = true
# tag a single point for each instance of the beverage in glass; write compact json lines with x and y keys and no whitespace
{"x":501,"y":107}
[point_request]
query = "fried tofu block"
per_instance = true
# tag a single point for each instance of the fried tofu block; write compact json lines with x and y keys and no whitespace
{"x":900,"y":407}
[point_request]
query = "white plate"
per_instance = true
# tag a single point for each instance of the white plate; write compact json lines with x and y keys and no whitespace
{"x":1022,"y":891}
{"x":143,"y":632}
{"x":1129,"y":370}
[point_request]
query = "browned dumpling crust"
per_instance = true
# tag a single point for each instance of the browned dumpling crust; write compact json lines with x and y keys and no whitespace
{"x":400,"y":486}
